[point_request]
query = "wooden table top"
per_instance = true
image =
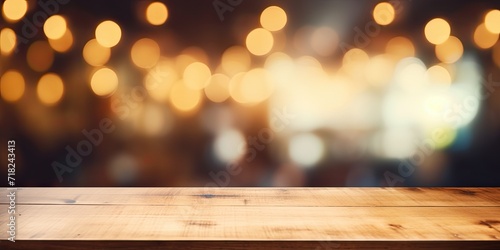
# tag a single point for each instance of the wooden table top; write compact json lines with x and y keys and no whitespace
{"x":255,"y":214}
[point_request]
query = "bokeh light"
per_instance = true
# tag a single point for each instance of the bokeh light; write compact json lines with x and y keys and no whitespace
{"x":182,"y":61}
{"x":184,"y":98}
{"x":273,"y":18}
{"x":40,"y":56}
{"x":160,"y":79}
{"x":8,"y":41}
{"x":217,"y":89}
{"x":448,"y":135}
{"x":379,"y":70}
{"x":196,"y":75}
{"x":384,"y":13}
{"x":235,"y":88}
{"x":104,"y":82}
{"x":397,"y":143}
{"x":400,"y":47}
{"x":281,"y":68}
{"x":259,"y":42}
{"x":410,"y":74}
{"x":156,"y":13}
{"x":55,"y":27}
{"x":50,"y":89}
{"x":483,"y":38}
{"x":14,"y":10}
{"x":95,"y":54}
{"x":12,"y":86}
{"x":235,"y":59}
{"x":354,"y":61}
{"x":64,"y":43}
{"x":492,"y":21}
{"x":437,"y":31}
{"x":450,"y":51}
{"x":152,"y":119}
{"x":253,"y":87}
{"x":306,"y":149}
{"x":145,"y":53}
{"x":328,"y":84}
{"x":229,"y":145}
{"x":324,"y":41}
{"x":108,"y":33}
{"x":438,"y":74}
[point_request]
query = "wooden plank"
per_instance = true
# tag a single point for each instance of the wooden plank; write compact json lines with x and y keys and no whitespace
{"x":249,"y":245}
{"x":118,"y":222}
{"x":253,"y":218}
{"x":262,"y":196}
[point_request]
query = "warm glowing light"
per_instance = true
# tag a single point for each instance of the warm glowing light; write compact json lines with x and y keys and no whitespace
{"x":235,"y":59}
{"x":182,"y":61}
{"x":55,"y":27}
{"x":354,"y":61}
{"x":8,"y":41}
{"x":184,"y":98}
{"x":156,"y":121}
{"x":410,"y":74}
{"x":108,"y":34}
{"x":324,"y":41}
{"x":492,"y":21}
{"x":217,"y":89}
{"x":384,"y":13}
{"x":255,"y":86}
{"x":400,"y":47}
{"x":11,"y":86}
{"x":259,"y":42}
{"x":196,"y":75}
{"x":64,"y":43}
{"x":311,"y":62}
{"x":450,"y":51}
{"x":437,"y":31}
{"x":40,"y":56}
{"x":273,"y":18}
{"x":157,"y":13}
{"x":145,"y":53}
{"x":379,"y":70}
{"x":281,"y":67}
{"x":306,"y":149}
{"x":50,"y":89}
{"x":160,"y":79}
{"x":439,"y":75}
{"x":398,"y":143}
{"x":446,"y":138}
{"x":14,"y":10}
{"x":235,"y":88}
{"x":95,"y":54}
{"x":229,"y":145}
{"x":483,"y":38}
{"x":104,"y":82}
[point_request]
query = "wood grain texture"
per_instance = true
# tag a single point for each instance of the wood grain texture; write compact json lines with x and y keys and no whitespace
{"x":338,"y":216}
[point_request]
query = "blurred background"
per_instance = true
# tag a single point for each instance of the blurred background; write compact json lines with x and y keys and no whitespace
{"x":251,"y":93}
